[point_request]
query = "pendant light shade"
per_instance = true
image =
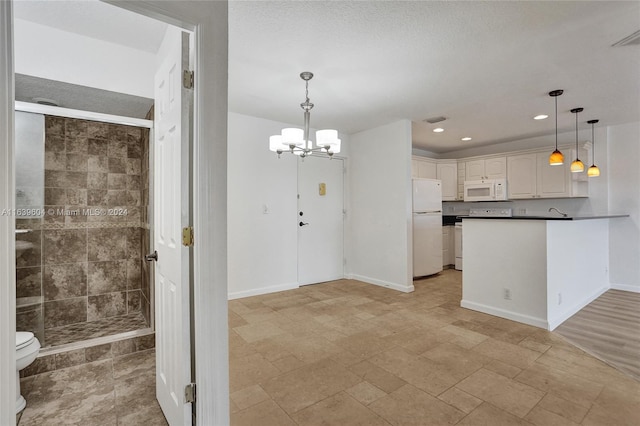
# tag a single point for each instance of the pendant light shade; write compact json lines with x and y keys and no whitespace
{"x":556,"y":158}
{"x":577,"y":166}
{"x":593,"y":171}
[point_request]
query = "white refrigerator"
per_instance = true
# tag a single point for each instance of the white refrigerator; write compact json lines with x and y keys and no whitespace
{"x":427,"y":227}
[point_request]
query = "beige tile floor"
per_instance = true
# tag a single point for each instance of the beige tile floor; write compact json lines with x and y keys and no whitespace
{"x":348,"y":353}
{"x":109,"y":392}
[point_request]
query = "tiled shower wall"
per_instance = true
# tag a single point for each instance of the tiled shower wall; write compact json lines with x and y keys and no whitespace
{"x":88,"y":250}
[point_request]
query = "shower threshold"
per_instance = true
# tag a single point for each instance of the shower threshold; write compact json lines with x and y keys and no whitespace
{"x":81,"y":332}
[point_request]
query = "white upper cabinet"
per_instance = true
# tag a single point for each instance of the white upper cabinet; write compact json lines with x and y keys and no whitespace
{"x":448,"y":174}
{"x":521,"y":170}
{"x":424,"y":168}
{"x":489,"y":168}
{"x":531,"y":176}
{"x":552,"y":181}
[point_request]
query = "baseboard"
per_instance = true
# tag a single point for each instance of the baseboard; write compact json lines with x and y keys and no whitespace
{"x":502,"y":313}
{"x":381,"y":283}
{"x":555,"y":322}
{"x":262,"y":290}
{"x":626,"y":287}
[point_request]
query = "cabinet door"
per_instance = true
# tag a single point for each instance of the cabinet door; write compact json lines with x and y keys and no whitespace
{"x":521,"y":170}
{"x":495,"y":168}
{"x":445,"y":246}
{"x":552,"y":181}
{"x":427,"y":170}
{"x":414,"y":168}
{"x":475,"y":170}
{"x":448,"y":174}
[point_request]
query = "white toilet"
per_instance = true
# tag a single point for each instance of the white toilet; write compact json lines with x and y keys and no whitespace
{"x":27,"y":348}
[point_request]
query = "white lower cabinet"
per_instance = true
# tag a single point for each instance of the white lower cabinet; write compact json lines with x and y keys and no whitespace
{"x":448,"y":249}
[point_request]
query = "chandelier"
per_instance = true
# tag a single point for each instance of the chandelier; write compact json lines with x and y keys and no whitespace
{"x":296,"y":141}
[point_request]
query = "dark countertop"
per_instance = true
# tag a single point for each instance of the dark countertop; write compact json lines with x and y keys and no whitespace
{"x":556,"y":217}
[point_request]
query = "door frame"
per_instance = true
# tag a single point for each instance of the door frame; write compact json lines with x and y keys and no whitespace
{"x":209,"y":23}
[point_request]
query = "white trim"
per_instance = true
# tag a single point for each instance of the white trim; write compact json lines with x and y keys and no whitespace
{"x":262,"y":290}
{"x":626,"y":287}
{"x":381,"y":283}
{"x":555,"y":322}
{"x":82,"y":115}
{"x":7,"y":232}
{"x":513,"y":316}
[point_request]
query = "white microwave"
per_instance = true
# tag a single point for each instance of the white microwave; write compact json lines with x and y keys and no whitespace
{"x":485,"y":190}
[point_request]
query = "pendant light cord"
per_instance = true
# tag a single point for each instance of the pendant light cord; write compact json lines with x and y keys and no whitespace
{"x":577,"y":135}
{"x":593,"y":145}
{"x":556,"y":99}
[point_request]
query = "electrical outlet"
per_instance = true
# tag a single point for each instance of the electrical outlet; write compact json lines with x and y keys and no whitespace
{"x":506,"y":293}
{"x":559,"y":298}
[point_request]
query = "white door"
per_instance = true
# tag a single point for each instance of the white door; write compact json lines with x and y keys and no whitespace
{"x":320,"y":220}
{"x":171,"y":214}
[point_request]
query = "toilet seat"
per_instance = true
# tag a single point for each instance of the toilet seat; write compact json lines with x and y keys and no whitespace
{"x":24,"y":338}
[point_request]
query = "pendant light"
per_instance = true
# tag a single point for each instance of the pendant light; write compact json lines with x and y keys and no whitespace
{"x":577,"y":166}
{"x":556,"y":158}
{"x":593,"y":171}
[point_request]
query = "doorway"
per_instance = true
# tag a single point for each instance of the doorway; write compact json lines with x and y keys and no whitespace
{"x":209,"y":22}
{"x":320,"y":219}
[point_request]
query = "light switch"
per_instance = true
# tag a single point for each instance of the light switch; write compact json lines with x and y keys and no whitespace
{"x":265,"y":209}
{"x":322,"y":189}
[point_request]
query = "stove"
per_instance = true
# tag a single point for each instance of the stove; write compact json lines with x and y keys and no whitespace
{"x":490,"y":212}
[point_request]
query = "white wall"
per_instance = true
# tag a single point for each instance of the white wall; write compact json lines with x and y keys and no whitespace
{"x":379,"y":214}
{"x":54,"y":54}
{"x":263,"y":254}
{"x":507,"y":254}
{"x":577,"y":266}
{"x":624,"y":197}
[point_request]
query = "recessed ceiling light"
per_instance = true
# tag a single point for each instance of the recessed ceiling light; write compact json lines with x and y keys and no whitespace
{"x":540,"y":117}
{"x":438,"y":130}
{"x":466,"y":139}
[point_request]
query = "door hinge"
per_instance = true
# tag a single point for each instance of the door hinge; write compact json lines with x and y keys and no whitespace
{"x":187,"y":79}
{"x":190,"y":393}
{"x":187,"y":236}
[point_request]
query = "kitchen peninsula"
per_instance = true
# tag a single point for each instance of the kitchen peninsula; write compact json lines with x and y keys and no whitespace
{"x":538,"y":270}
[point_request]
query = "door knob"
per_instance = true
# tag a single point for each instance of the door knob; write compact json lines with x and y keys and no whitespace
{"x":303,"y":223}
{"x":152,"y":257}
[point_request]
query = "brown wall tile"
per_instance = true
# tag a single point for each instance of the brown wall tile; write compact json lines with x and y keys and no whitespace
{"x":95,"y":353}
{"x":97,"y":180}
{"x":107,"y":277}
{"x":133,"y":301}
{"x":97,"y":147}
{"x":117,"y":165}
{"x":65,"y":246}
{"x":75,"y":128}
{"x":106,"y":305}
{"x":98,"y":164}
{"x":134,"y":274}
{"x":117,"y":148}
{"x":106,"y":244}
{"x":54,"y":143}
{"x":117,"y":181}
{"x":40,"y":365}
{"x":64,"y":312}
{"x":77,"y":162}
{"x":32,"y":256}
{"x":53,"y":125}
{"x":134,"y":243}
{"x":65,"y":281}
{"x":70,"y":358}
{"x":55,"y":160}
{"x":55,"y":196}
{"x":29,"y":282}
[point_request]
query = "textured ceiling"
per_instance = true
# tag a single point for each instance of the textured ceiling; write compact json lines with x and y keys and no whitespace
{"x":485,"y":66}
